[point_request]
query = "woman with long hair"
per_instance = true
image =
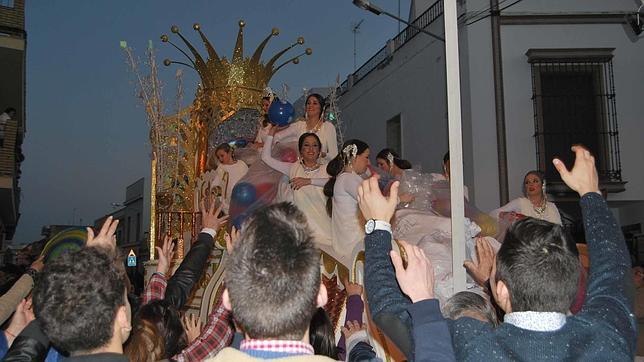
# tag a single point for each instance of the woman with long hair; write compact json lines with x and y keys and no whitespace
{"x":307,"y":177}
{"x":534,"y":202}
{"x":313,"y":122}
{"x":347,"y":223}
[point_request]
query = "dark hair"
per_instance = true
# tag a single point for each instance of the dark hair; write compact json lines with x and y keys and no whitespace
{"x":273,"y":274}
{"x":9,"y":110}
{"x":466,"y":304}
{"x":335,"y":167}
{"x":321,"y":335}
{"x":537,"y":173}
{"x":320,"y":99}
{"x":402,"y":164}
{"x":157,"y":323}
{"x":539,"y":265}
{"x":446,"y":157}
{"x":265,"y":120}
{"x":76,"y":298}
{"x":300,"y":141}
{"x":226,"y":148}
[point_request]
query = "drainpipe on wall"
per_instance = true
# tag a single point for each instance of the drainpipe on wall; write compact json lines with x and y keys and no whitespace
{"x":497,"y":60}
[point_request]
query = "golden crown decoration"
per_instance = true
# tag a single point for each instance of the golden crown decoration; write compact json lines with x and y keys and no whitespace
{"x":229,"y":85}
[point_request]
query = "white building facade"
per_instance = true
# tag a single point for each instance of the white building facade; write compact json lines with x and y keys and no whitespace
{"x":535,"y":76}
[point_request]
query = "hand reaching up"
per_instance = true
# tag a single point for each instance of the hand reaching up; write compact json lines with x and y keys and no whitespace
{"x":352,"y":288}
{"x":38,"y":264}
{"x":231,"y":239}
{"x":105,"y":238}
{"x":583,"y":176}
{"x":165,"y":254}
{"x":210,"y":216}
{"x":192,"y":326}
{"x":481,"y":271}
{"x":417,"y":281}
{"x":375,"y":206}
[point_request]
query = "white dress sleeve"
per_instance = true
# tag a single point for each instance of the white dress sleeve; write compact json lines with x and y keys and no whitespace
{"x":293,"y":130}
{"x":512,"y":206}
{"x":283,"y":167}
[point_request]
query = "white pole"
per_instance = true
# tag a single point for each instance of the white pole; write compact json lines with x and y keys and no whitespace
{"x":455,"y":142}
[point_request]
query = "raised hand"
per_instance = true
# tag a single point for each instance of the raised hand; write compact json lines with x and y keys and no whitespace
{"x":417,"y":281}
{"x":105,"y":237}
{"x":165,"y":254}
{"x":231,"y":239}
{"x":481,"y":271}
{"x":583,"y":176}
{"x":351,"y":328}
{"x":192,"y":326}
{"x":210,"y":216}
{"x":23,"y":315}
{"x":375,"y":206}
{"x":38,"y":264}
{"x":352,"y":288}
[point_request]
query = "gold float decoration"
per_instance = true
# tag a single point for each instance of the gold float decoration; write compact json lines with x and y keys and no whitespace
{"x":226,"y":85}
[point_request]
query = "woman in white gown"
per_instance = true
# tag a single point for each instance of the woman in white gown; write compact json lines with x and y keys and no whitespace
{"x":307,"y":178}
{"x":534,"y":203}
{"x":313,"y":122}
{"x":347,"y":223}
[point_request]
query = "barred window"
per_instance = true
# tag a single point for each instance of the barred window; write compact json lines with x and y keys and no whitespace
{"x":574,"y":103}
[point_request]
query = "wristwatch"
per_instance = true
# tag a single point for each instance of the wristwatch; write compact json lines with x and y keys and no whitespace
{"x":373,"y":225}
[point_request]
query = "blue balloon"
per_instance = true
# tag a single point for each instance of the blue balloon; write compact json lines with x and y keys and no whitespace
{"x":244,"y":194}
{"x":280,"y":112}
{"x":239,"y":220}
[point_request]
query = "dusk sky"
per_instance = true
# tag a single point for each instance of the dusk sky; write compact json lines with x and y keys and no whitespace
{"x":87,"y":136}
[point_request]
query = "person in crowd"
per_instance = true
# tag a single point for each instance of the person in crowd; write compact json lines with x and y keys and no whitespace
{"x":307,"y":179}
{"x":345,"y":172}
{"x":229,"y":172}
{"x":80,"y":305}
{"x":534,"y":202}
{"x":322,"y":336}
{"x":358,"y":347}
{"x":20,"y":289}
{"x":533,"y":279}
{"x":390,"y":162}
{"x":275,"y":325}
{"x":158,"y":329}
{"x":5,"y":117}
{"x":472,"y":305}
{"x":313,"y":122}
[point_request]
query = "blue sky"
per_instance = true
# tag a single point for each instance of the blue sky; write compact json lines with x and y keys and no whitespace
{"x":86,"y":132}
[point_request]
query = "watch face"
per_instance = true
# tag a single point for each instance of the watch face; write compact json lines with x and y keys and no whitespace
{"x":370,"y":226}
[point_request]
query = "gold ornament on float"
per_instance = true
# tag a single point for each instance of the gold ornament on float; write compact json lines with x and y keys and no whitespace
{"x":226,"y":85}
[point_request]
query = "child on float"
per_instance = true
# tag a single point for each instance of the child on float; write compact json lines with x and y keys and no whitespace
{"x":229,"y":172}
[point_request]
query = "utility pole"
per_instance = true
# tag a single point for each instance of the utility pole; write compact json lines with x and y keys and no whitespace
{"x":355,"y":30}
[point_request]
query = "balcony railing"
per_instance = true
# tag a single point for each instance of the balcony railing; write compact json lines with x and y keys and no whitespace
{"x":422,"y":21}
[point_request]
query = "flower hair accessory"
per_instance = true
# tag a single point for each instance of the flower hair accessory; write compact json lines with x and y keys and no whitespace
{"x":350,"y":152}
{"x":390,"y":158}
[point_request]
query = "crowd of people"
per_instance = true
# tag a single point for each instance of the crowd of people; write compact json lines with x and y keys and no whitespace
{"x":530,"y":297}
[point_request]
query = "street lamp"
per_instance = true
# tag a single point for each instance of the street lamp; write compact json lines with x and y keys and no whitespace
{"x":366,"y":5}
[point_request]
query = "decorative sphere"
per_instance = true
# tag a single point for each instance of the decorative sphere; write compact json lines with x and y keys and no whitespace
{"x":238,"y":220}
{"x":288,"y":155}
{"x":167,"y":62}
{"x":244,"y":194}
{"x":174,"y":29}
{"x":308,"y":51}
{"x":275,"y":32}
{"x":300,"y":40}
{"x":280,"y":112}
{"x":196,"y":26}
{"x":242,"y":23}
{"x":164,"y":38}
{"x":296,"y":61}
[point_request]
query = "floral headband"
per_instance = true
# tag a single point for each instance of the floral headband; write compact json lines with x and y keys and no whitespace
{"x":350,"y":152}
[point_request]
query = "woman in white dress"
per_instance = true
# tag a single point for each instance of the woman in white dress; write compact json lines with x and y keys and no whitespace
{"x":263,"y":125}
{"x":347,"y":223}
{"x":313,"y":122}
{"x":229,"y":172}
{"x":533,"y":204}
{"x":307,"y":178}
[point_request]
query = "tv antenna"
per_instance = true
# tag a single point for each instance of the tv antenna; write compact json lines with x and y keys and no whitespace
{"x":355,"y":29}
